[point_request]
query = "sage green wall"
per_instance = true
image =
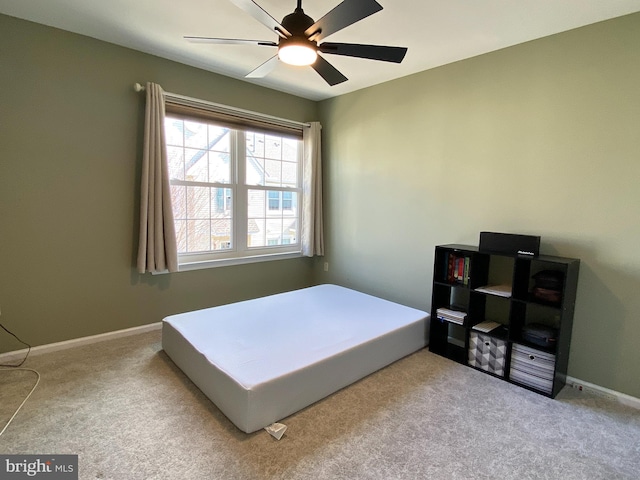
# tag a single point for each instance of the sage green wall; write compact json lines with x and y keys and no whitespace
{"x":541,"y":138}
{"x":70,"y":151}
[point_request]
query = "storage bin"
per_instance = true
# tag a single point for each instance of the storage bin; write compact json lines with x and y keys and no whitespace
{"x":487,"y":353}
{"x":532,"y":367}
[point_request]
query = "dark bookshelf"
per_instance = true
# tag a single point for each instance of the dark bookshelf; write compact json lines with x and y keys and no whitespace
{"x":519,"y":312}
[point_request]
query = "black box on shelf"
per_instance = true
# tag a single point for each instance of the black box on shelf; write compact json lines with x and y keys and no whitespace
{"x":510,"y":243}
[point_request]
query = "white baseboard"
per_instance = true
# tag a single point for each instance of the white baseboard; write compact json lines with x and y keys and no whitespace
{"x":76,"y":342}
{"x":603,"y":392}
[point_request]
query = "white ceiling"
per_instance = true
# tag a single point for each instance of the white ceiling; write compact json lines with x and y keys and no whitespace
{"x":436,"y":32}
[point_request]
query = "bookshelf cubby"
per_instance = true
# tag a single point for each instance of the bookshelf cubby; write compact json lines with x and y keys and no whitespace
{"x":489,"y":312}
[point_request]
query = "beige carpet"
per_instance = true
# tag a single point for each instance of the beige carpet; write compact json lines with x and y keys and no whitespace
{"x":129,"y":413}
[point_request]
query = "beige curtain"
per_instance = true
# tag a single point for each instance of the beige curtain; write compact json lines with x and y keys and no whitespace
{"x":157,"y":250}
{"x":312,"y":225}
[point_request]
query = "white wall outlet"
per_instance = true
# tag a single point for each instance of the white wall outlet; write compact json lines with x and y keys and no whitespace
{"x":599,"y":392}
{"x":326,"y":266}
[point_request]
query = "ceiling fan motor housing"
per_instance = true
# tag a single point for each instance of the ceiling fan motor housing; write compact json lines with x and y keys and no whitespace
{"x":297,"y":23}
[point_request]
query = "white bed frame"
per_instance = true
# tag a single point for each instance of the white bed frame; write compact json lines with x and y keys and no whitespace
{"x":264,"y":359}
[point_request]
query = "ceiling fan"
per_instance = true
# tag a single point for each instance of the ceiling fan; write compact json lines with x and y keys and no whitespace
{"x":299,"y":35}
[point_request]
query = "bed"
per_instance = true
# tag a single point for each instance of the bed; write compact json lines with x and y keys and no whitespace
{"x":262,"y":360}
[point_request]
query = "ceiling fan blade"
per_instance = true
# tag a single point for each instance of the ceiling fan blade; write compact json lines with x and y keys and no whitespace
{"x":230,"y":41}
{"x":372,"y":52}
{"x":343,"y":15}
{"x":327,"y":71}
{"x":264,"y":69}
{"x":257,"y":12}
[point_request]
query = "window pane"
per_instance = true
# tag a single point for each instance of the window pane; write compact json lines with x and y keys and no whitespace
{"x":174,"y":131}
{"x":198,"y":202}
{"x":289,"y":174}
{"x":275,"y":215}
{"x":179,"y":201}
{"x":175,"y":160}
{"x":256,"y":203}
{"x":196,"y":165}
{"x":273,"y":147}
{"x":221,"y":234}
{"x":198,"y":235}
{"x":273,"y":172}
{"x":221,"y":206}
{"x":288,"y":200}
{"x":290,"y":149}
{"x":256,"y":233}
{"x":274,"y":231}
{"x":274,"y":200}
{"x":219,"y":138}
{"x":255,"y":158}
{"x":255,"y":144}
{"x":195,"y":134}
{"x":181,"y":235}
{"x":255,"y":171}
{"x":219,"y":167}
{"x":266,"y":166}
{"x":289,"y":230}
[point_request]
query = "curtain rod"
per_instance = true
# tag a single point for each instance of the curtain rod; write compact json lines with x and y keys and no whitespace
{"x":141,"y":88}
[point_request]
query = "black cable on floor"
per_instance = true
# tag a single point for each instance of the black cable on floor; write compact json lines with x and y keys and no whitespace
{"x":24,"y":343}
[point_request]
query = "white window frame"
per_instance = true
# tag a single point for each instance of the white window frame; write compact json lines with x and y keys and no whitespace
{"x":241,"y":253}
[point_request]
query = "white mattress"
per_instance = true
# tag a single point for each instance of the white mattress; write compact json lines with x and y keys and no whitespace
{"x":264,"y":359}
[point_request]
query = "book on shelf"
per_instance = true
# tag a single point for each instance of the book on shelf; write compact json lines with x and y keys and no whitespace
{"x":502,"y":290}
{"x":465,"y":279}
{"x":449,"y":315}
{"x":486,"y":326}
{"x":457,"y":268}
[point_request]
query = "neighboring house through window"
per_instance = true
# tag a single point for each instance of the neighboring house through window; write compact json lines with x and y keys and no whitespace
{"x":236,"y":191}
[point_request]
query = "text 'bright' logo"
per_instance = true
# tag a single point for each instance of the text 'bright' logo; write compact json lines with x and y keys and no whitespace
{"x":30,"y":468}
{"x":60,"y":467}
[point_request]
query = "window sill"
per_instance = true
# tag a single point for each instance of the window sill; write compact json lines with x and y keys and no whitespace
{"x":226,"y":262}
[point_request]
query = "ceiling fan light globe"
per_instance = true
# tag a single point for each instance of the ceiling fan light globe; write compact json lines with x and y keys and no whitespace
{"x":298,"y":55}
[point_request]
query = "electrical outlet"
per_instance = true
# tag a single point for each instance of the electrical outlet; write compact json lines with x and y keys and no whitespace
{"x":326,"y":266}
{"x":594,"y":391}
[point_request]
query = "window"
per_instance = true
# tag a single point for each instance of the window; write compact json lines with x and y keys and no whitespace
{"x":236,"y":192}
{"x":274,"y":200}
